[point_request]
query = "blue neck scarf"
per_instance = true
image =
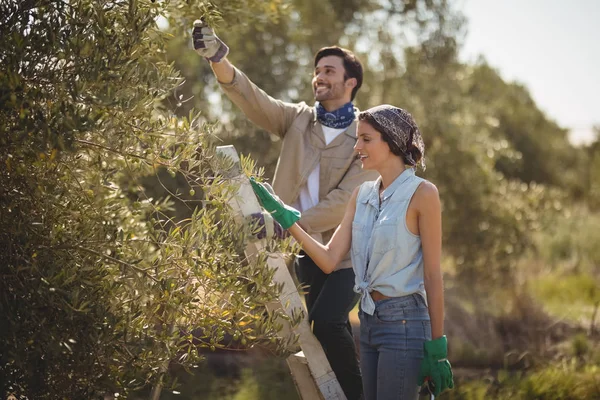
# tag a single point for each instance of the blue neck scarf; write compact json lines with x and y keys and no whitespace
{"x":338,"y":119}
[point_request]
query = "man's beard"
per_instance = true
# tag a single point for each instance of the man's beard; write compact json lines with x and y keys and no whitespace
{"x":334,"y":91}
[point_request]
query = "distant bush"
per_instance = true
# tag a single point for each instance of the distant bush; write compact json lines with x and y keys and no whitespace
{"x":580,"y":345}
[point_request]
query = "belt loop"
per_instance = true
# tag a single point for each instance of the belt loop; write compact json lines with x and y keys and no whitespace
{"x":415,"y":297}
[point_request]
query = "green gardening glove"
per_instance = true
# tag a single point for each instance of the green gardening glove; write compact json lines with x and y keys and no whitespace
{"x":435,"y":366}
{"x":285,"y":215}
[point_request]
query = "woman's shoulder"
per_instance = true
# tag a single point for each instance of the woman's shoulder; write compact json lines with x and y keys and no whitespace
{"x":427,"y":194}
{"x":427,"y":188}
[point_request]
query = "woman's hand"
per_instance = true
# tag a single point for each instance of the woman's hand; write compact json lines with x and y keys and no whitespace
{"x":435,"y":366}
{"x":285,"y":215}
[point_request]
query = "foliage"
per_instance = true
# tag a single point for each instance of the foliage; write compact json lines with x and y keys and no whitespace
{"x":102,"y":288}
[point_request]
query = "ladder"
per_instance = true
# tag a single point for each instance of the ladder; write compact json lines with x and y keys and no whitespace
{"x":310,"y":369}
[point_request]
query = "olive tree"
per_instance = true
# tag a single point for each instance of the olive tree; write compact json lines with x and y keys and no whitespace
{"x":101,"y":287}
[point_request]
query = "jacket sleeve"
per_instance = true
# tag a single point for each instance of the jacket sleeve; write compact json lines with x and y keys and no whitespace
{"x":329,"y":212}
{"x":274,"y":116}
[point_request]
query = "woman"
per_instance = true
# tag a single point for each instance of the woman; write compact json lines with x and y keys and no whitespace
{"x":393,"y":228}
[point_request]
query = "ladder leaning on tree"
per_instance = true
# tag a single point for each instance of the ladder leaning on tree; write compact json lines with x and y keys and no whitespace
{"x":310,"y":369}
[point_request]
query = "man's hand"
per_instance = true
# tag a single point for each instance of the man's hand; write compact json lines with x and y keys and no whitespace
{"x":207,"y":44}
{"x":285,"y":215}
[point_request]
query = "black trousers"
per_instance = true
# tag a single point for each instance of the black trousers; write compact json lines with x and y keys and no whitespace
{"x":329,"y":300}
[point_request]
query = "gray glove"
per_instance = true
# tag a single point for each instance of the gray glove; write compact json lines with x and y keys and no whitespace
{"x":207,"y":44}
{"x":268,"y":227}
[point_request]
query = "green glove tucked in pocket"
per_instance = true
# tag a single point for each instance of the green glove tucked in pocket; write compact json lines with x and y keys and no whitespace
{"x":285,"y":215}
{"x":435,"y":365}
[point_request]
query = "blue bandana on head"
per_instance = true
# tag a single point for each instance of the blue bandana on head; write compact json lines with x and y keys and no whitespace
{"x":338,"y":119}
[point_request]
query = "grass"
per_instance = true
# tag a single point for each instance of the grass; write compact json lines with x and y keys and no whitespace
{"x":565,"y":381}
{"x":570,"y":297}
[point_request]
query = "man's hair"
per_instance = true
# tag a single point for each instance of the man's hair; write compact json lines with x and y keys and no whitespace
{"x":352,"y":66}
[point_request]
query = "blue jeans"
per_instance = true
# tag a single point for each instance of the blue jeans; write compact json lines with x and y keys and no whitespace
{"x":391,"y":347}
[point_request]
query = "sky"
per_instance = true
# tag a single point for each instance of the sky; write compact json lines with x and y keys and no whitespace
{"x":550,"y":46}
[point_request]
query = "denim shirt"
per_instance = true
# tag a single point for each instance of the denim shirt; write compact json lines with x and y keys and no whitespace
{"x":386,"y":256}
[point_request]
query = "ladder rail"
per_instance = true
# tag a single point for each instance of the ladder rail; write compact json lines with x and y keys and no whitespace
{"x":310,"y":369}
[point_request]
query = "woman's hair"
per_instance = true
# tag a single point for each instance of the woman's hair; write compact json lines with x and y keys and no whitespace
{"x":412,"y":156}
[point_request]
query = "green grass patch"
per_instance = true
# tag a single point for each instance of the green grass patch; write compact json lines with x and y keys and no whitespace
{"x":569,"y":297}
{"x":566,"y":381}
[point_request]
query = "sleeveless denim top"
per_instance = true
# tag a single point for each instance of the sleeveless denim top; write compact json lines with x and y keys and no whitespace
{"x":386,"y":256}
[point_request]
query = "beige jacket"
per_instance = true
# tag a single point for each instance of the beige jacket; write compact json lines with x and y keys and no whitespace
{"x":303,"y":147}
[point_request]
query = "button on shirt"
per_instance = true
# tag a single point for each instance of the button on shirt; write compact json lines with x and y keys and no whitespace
{"x":386,"y":256}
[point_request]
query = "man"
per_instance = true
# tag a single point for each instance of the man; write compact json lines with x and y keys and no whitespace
{"x":316,"y":173}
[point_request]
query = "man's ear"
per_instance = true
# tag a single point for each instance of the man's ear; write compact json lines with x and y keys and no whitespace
{"x":350,"y":82}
